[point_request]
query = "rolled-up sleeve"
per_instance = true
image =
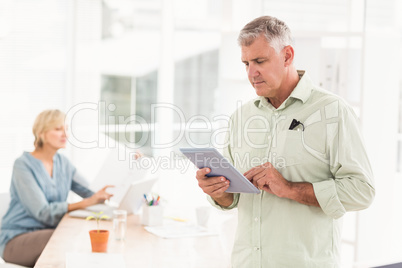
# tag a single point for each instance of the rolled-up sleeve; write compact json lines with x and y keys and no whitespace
{"x":328,"y":199}
{"x":352,"y":186}
{"x":233,"y":205}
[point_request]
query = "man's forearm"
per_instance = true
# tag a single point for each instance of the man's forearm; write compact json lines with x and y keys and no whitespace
{"x":302,"y":192}
{"x":225,"y":200}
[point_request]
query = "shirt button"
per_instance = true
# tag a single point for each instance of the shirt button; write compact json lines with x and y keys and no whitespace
{"x":256,"y":248}
{"x":256,"y":219}
{"x":276,"y":113}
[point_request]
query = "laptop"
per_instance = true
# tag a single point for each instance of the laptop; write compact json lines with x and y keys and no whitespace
{"x":130,"y":180}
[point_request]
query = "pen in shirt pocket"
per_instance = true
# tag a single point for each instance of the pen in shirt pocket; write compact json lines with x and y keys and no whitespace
{"x":295,"y":125}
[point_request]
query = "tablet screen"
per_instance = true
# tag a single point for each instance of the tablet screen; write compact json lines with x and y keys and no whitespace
{"x":220,"y":166}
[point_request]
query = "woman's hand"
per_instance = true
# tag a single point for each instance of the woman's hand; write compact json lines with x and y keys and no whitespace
{"x":97,"y":198}
{"x":100,"y":196}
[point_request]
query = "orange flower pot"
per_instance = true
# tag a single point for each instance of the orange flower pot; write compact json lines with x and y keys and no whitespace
{"x":99,"y":240}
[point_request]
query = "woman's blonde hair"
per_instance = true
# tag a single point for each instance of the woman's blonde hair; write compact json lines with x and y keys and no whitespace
{"x":46,"y":121}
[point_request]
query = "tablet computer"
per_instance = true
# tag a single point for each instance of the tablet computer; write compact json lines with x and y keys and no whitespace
{"x":220,"y":166}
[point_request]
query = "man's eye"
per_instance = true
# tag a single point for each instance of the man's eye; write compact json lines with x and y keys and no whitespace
{"x":260,"y":61}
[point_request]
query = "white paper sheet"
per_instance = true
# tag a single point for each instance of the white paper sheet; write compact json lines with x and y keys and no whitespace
{"x":179,"y":230}
{"x":98,"y":260}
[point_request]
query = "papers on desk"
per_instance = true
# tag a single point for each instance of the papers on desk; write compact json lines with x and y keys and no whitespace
{"x":179,"y":230}
{"x":98,"y":260}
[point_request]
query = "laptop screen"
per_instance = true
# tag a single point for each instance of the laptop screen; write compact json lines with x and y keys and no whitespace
{"x":122,"y":171}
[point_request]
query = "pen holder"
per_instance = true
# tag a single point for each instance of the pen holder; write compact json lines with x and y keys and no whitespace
{"x":152,"y":215}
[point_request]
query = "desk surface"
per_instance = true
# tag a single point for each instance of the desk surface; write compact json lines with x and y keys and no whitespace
{"x":139,"y":249}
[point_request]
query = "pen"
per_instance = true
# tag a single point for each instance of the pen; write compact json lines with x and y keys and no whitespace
{"x":177,"y":219}
{"x":153,"y":202}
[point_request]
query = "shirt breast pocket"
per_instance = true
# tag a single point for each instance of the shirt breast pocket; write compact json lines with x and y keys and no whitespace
{"x":290,"y":147}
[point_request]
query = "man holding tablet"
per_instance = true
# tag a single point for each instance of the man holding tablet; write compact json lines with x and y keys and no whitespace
{"x":311,"y":166}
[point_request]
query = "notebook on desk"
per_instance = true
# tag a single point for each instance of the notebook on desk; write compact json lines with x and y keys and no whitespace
{"x":130,"y":182}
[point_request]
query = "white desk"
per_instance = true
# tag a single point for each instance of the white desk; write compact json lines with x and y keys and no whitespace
{"x":140,"y":248}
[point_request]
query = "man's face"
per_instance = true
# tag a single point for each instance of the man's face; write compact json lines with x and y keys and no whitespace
{"x":265,"y":68}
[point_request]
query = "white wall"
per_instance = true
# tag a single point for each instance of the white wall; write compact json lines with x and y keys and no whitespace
{"x":379,"y":236}
{"x":48,"y":59}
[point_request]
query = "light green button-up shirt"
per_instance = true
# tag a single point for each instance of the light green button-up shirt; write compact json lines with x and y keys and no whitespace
{"x":329,"y":153}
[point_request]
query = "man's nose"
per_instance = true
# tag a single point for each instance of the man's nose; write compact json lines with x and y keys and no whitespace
{"x":253,"y":70}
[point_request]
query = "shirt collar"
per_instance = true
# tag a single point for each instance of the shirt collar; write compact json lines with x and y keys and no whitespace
{"x":302,"y":91}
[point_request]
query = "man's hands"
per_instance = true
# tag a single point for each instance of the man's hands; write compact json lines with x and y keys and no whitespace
{"x":215,"y":187}
{"x":264,"y":177}
{"x":267,"y":178}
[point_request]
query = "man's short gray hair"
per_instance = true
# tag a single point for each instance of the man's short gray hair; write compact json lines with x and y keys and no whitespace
{"x":276,"y":32}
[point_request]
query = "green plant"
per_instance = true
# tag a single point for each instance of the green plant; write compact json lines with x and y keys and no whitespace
{"x":98,"y":217}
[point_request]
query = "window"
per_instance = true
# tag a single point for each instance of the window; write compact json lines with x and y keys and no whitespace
{"x":133,"y":29}
{"x":33,"y":71}
{"x":127,"y":108}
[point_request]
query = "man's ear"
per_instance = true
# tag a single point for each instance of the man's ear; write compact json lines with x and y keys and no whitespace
{"x":289,"y":54}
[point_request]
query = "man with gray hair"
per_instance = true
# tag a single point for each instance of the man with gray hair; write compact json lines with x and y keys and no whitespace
{"x":301,"y":146}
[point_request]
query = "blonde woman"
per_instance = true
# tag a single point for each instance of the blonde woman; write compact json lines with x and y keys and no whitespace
{"x":41,"y":181}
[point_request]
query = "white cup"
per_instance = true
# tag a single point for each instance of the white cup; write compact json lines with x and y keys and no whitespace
{"x":119,"y":224}
{"x":203,"y":215}
{"x":152,"y":215}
